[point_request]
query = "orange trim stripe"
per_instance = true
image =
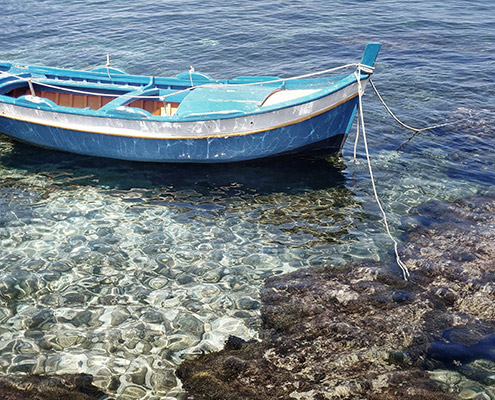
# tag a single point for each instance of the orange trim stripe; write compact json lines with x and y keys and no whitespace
{"x":192,"y":137}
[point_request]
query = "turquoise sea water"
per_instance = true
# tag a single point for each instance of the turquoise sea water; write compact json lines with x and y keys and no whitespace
{"x":122,"y":270}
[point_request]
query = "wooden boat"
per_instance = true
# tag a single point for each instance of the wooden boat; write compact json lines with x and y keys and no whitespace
{"x":188,"y":118}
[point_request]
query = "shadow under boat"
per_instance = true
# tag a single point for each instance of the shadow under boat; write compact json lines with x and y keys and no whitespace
{"x":285,"y":174}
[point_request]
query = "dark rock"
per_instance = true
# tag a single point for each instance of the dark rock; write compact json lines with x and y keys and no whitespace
{"x":401,"y":296}
{"x":82,"y":318}
{"x":57,"y":387}
{"x":75,"y":298}
{"x":245,"y":303}
{"x":44,"y":317}
{"x":184,"y":279}
{"x":235,"y":343}
{"x":455,"y":350}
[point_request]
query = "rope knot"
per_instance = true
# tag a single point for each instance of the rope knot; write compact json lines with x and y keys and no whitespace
{"x":366,"y":69}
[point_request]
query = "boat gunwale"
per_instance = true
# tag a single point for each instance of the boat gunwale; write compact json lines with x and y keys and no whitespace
{"x":204,"y":136}
{"x":342,"y":82}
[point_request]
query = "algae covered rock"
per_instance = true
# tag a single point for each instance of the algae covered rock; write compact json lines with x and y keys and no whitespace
{"x":361,"y":332}
{"x":56,"y":387}
{"x":327,"y":334}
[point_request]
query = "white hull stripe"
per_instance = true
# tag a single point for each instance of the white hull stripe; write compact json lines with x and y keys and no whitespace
{"x":152,"y":129}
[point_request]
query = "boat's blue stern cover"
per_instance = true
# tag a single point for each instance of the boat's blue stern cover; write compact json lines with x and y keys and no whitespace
{"x":219,"y":99}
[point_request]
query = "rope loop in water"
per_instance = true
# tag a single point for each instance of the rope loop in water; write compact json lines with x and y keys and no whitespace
{"x":415,"y":130}
{"x":400,"y":263}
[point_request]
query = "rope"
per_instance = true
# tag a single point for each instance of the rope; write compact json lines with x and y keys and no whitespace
{"x":403,"y":267}
{"x":360,"y":122}
{"x":357,"y":139}
{"x":415,"y":130}
{"x":191,"y":70}
{"x":107,"y":65}
{"x":326,"y":71}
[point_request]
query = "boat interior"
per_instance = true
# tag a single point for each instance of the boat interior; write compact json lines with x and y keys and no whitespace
{"x":136,"y":96}
{"x":98,"y":101}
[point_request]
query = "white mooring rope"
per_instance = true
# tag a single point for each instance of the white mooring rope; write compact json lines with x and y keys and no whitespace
{"x":428,"y":128}
{"x":403,"y":267}
{"x":107,"y":65}
{"x":360,"y":121}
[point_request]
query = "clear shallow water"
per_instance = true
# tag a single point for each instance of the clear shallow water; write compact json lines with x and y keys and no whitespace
{"x":122,"y":270}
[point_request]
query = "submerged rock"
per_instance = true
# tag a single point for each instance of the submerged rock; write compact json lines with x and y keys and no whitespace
{"x":56,"y":387}
{"x":327,"y":334}
{"x":453,"y":254}
{"x":361,"y":332}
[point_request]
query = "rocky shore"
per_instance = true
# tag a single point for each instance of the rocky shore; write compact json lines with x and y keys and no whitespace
{"x":361,"y":332}
{"x":356,"y":332}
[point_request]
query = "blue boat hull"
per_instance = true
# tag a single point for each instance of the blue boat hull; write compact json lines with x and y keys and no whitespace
{"x":189,"y":118}
{"x":322,"y":134}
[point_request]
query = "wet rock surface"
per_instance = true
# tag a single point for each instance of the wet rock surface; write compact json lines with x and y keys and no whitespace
{"x":58,"y":387}
{"x":361,"y":332}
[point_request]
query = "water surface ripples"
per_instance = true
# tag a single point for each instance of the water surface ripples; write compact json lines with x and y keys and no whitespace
{"x":122,"y":270}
